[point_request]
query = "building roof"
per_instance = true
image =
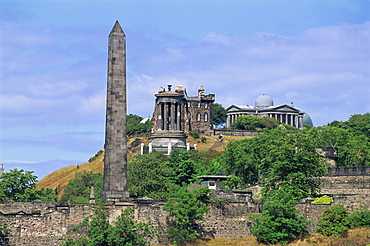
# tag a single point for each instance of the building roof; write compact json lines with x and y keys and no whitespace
{"x":264,"y":101}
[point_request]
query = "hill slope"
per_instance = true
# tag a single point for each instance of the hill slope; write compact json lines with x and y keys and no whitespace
{"x":59,"y":179}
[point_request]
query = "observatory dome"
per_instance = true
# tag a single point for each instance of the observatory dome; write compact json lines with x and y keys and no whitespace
{"x":264,"y":101}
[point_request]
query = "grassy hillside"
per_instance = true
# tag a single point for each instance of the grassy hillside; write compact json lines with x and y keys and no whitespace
{"x":59,"y":179}
{"x":356,"y":237}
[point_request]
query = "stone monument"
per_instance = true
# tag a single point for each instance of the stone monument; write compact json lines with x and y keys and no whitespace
{"x":115,"y":157}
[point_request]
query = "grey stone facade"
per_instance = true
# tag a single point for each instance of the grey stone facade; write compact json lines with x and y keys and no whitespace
{"x":176,"y":114}
{"x":115,"y":157}
{"x":175,"y":111}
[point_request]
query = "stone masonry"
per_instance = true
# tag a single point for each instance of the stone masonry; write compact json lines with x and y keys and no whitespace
{"x":115,"y":158}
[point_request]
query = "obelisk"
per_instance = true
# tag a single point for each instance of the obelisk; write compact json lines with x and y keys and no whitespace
{"x":115,"y":157}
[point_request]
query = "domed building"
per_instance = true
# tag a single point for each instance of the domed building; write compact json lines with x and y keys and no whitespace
{"x":264,"y":107}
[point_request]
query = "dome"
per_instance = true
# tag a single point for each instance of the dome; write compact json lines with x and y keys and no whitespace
{"x":307,"y":120}
{"x":264,"y":101}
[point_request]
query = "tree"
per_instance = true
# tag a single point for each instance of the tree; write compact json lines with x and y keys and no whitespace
{"x":359,"y":124}
{"x":247,"y":122}
{"x":353,"y":150}
{"x":218,"y":114}
{"x":123,"y":231}
{"x":279,"y":222}
{"x":333,"y":221}
{"x":150,"y":175}
{"x":359,"y":218}
{"x":185,"y":208}
{"x":276,"y":160}
{"x":79,"y":188}
{"x":17,"y":185}
{"x":135,"y":127}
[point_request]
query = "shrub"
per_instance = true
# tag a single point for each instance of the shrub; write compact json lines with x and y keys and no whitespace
{"x":203,"y":139}
{"x":360,"y":218}
{"x":194,"y":134}
{"x":323,"y":200}
{"x":91,"y":159}
{"x":124,"y":231}
{"x":279,"y":223}
{"x":333,"y":221}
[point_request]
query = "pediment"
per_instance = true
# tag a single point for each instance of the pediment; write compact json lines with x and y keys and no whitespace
{"x":282,"y":108}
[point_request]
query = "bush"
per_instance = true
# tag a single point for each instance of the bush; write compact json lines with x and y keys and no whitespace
{"x":279,"y":223}
{"x":124,"y":231}
{"x":203,"y":139}
{"x":333,"y":221}
{"x":323,"y":200}
{"x":194,"y":134}
{"x":185,"y":209}
{"x":359,"y":218}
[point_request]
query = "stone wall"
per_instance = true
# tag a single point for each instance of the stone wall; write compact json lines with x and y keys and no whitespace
{"x":48,"y":223}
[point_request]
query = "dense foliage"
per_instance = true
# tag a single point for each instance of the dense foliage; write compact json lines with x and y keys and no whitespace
{"x":79,"y":188}
{"x":19,"y":185}
{"x":359,"y":218}
{"x":135,"y":127}
{"x":122,"y":232}
{"x":279,"y":221}
{"x":218,"y":114}
{"x":353,"y":149}
{"x":251,"y":122}
{"x":333,"y":221}
{"x":158,"y":176}
{"x":185,"y":208}
{"x":276,"y":159}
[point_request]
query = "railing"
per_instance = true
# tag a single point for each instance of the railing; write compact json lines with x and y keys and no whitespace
{"x":349,"y":171}
{"x":245,"y":133}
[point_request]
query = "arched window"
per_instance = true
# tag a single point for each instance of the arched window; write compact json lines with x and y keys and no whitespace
{"x":205,"y":117}
{"x":198,"y":116}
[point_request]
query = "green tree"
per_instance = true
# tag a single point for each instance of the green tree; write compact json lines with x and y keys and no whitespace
{"x":279,"y":221}
{"x":79,"y":188}
{"x":247,"y":122}
{"x":353,"y":150}
{"x":333,"y":221}
{"x":150,"y":175}
{"x":218,"y":114}
{"x":135,"y":127}
{"x":18,"y":185}
{"x":185,"y":208}
{"x":359,"y":124}
{"x":124,"y":231}
{"x":359,"y":218}
{"x":276,"y":159}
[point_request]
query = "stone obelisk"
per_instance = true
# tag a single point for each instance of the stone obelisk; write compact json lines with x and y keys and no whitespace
{"x":115,"y":158}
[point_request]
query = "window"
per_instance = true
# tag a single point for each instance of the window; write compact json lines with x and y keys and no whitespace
{"x":198,"y":116}
{"x":198,"y":105}
{"x":206,"y":105}
{"x":205,"y":117}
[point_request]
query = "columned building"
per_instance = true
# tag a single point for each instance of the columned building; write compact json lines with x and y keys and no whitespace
{"x":264,"y":107}
{"x":176,"y":114}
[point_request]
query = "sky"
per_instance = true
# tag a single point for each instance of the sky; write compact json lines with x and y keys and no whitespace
{"x":53,"y":63}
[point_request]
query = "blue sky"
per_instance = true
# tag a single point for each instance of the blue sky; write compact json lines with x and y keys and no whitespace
{"x":53,"y":62}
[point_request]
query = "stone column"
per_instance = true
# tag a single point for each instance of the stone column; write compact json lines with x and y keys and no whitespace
{"x":178,"y":123}
{"x":165,"y":117}
{"x":173,"y":116}
{"x":150,"y":147}
{"x":115,"y":157}
{"x":160,"y":116}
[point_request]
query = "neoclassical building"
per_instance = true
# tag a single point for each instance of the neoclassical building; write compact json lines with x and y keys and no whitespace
{"x":264,"y":107}
{"x":176,"y":114}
